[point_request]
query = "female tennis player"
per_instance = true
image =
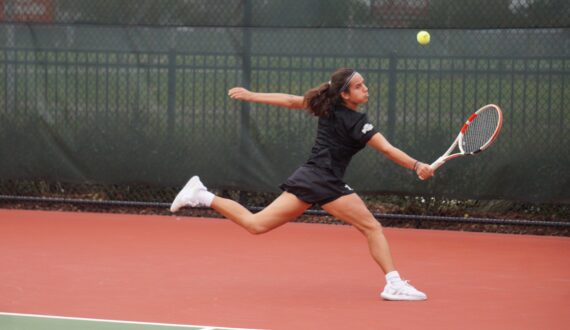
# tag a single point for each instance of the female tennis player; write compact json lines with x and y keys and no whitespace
{"x":342,"y":132}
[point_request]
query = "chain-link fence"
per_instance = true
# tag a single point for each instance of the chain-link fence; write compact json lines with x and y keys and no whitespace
{"x":124,"y":100}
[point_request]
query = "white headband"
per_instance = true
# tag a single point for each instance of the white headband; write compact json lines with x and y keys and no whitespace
{"x":347,"y":82}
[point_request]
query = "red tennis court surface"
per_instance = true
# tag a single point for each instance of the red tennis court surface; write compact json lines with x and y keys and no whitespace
{"x":301,"y":276}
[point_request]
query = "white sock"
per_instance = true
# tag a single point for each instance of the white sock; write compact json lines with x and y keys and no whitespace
{"x":393,"y":277}
{"x":206,"y":197}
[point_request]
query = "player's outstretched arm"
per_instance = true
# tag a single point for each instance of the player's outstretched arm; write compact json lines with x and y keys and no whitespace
{"x":276,"y":99}
{"x":379,"y":143}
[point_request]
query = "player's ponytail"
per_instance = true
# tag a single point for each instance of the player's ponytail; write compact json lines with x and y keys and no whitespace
{"x":320,"y":100}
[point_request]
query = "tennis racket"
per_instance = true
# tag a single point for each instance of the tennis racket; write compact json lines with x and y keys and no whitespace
{"x":476,"y":135}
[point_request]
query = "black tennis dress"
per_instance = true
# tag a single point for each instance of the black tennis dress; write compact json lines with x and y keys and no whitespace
{"x":339,"y":137}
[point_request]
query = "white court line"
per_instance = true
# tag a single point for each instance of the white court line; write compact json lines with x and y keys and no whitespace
{"x":202,"y":327}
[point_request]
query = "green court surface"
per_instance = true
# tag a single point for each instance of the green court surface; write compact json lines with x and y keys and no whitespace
{"x":12,"y":321}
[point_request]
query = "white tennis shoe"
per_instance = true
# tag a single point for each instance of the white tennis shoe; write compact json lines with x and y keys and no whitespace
{"x":189,"y":195}
{"x":402,"y":291}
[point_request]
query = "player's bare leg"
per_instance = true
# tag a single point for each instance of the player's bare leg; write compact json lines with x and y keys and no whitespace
{"x":285,"y":208}
{"x":351,"y":209}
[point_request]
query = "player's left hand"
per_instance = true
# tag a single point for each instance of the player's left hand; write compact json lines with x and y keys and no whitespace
{"x":424,"y":171}
{"x":240,"y":93}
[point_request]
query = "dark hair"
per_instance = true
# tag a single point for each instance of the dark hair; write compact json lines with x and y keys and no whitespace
{"x":321,"y":99}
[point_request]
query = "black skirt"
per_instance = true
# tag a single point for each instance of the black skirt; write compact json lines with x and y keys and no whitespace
{"x":315,"y":185}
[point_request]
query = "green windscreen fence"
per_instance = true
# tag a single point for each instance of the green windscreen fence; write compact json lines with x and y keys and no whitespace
{"x":127,"y":93}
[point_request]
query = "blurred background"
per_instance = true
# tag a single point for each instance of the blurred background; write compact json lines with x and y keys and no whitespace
{"x":120,"y":102}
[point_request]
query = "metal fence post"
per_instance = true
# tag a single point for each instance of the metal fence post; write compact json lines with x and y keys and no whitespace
{"x":171,"y":92}
{"x":245,"y":108}
{"x":392,"y":78}
{"x":10,"y":71}
{"x":246,"y":70}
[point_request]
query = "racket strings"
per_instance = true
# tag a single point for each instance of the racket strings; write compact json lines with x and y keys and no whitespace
{"x":481,"y":130}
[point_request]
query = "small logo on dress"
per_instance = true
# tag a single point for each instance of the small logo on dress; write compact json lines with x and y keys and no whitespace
{"x":348,"y":187}
{"x":367,"y":128}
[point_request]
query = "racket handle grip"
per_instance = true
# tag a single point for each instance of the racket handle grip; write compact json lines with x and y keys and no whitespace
{"x":440,"y":161}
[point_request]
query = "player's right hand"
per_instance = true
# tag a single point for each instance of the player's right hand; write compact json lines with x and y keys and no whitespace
{"x":424,"y":171}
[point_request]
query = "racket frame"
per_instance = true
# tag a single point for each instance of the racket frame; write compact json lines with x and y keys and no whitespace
{"x":459,"y":139}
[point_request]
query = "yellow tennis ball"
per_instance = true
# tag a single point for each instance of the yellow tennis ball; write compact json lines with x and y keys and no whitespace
{"x":423,"y":37}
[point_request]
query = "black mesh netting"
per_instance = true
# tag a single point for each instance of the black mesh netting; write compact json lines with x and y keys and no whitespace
{"x":126,"y":99}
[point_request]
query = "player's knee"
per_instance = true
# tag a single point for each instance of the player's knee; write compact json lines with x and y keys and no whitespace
{"x":257,"y":229}
{"x":370,"y":227}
